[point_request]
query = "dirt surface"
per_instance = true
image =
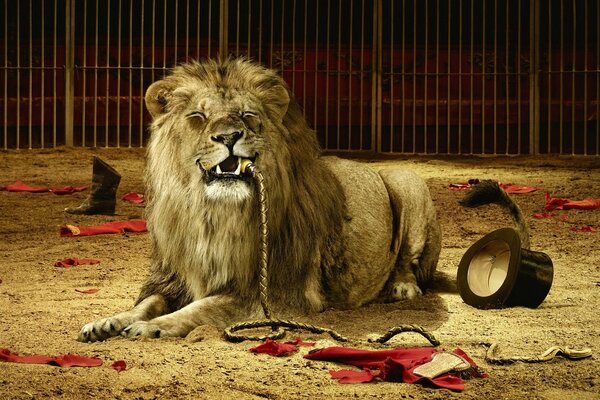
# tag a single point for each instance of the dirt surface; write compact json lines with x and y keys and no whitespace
{"x":41,"y":312}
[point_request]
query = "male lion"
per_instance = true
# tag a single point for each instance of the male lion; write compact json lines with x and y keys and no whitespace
{"x":341,"y":234}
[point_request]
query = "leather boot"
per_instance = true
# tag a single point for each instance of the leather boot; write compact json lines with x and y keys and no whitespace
{"x":103,"y":195}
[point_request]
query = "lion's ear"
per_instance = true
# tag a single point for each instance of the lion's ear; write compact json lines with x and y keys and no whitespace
{"x":277,"y":102}
{"x":157,"y":97}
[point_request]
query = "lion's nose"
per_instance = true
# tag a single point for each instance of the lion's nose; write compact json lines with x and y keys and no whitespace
{"x":228,"y":139}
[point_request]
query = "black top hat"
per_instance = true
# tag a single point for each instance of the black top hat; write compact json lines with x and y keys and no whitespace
{"x":497,"y":272}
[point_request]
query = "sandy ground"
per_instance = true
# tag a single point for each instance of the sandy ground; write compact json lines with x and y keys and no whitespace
{"x":41,"y":312}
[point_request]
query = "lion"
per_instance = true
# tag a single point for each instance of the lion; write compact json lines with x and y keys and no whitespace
{"x":341,"y":234}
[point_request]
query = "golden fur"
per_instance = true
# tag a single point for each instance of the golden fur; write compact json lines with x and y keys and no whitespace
{"x":341,"y":234}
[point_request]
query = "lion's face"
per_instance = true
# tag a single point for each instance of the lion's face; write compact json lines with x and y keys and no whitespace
{"x":209,"y":129}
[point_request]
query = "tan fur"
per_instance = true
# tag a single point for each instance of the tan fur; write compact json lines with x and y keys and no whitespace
{"x":341,"y":234}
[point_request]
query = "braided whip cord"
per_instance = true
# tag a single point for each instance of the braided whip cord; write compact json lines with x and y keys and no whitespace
{"x":277,"y":325}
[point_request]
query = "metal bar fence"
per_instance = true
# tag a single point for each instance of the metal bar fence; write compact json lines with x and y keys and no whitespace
{"x":399,"y":77}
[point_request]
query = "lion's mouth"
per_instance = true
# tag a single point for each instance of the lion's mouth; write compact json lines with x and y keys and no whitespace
{"x":230,"y":168}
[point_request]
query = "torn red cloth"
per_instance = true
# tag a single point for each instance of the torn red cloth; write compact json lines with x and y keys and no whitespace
{"x":585,"y":229}
{"x":65,"y":360}
{"x":134,"y":225}
{"x":132,"y":197}
{"x":119,"y":365}
{"x":87,"y":291}
{"x":19,"y":186}
{"x":516,"y":189}
{"x":542,"y":215}
{"x":73,"y":262}
{"x":566,"y":204}
{"x":395,"y":365}
{"x":278,"y":349}
{"x":463,"y":186}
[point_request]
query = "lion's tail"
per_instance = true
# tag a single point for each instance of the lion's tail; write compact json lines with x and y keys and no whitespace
{"x":489,"y":192}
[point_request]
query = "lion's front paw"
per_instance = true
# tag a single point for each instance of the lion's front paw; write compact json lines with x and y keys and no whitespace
{"x":102,"y":329}
{"x":145,"y":329}
{"x":406,"y":291}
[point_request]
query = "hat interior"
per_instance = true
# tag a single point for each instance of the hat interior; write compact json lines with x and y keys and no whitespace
{"x":488,"y":268}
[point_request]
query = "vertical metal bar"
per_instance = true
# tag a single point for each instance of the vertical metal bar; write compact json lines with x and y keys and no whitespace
{"x":84,"y":72}
{"x":377,"y":58}
{"x":561,"y":67}
{"x":176,"y":31}
{"x":30,"y":83}
{"x":597,"y":83}
{"x":118,"y":70}
{"x":534,"y":109}
{"x":483,"y":75}
{"x":5,"y":139}
{"x":249,"y":26}
{"x":260,"y":30}
{"x":362,"y":70}
{"x":495,"y":61}
{"x":210,"y":28}
{"x":282,"y":37}
{"x":43,"y":76}
{"x":495,"y":86}
{"x":316,"y":66}
{"x":18,"y":70}
{"x":69,"y":70}
{"x":339,"y":84}
{"x":426,"y":80}
{"x":550,"y":77}
{"x":272,"y":23}
{"x":141,"y":114}
{"x":403,"y":81}
{"x":96,"y":46}
{"x":519,"y":89}
{"x":164,"y":55}
{"x":327,"y":66}
{"x":573,"y":72}
{"x":350,"y":74}
{"x":448,"y":84}
{"x":237,"y":29}
{"x":414,"y":80}
{"x":198,"y":35}
{"x":585,"y":79}
{"x":187,"y":28}
{"x":437,"y":78}
{"x":392,"y":98}
{"x":293,"y":45}
{"x":507,"y":78}
{"x":130,"y":96}
{"x":107,"y":92}
{"x":471,"y":78}
{"x":460,"y":74}
{"x":54,"y":69}
{"x":304,"y":94}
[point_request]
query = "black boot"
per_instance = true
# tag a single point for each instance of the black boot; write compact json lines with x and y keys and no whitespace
{"x":103,"y":196}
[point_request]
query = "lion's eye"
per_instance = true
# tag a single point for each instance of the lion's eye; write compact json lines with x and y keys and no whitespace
{"x":248,"y":114}
{"x":196,"y":114}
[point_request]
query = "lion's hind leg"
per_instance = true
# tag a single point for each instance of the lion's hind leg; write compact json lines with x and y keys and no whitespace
{"x":105,"y":328}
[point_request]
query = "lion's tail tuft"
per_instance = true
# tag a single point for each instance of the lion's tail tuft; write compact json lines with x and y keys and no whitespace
{"x":490,"y":192}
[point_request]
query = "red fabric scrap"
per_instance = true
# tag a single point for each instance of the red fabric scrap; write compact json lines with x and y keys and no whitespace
{"x":350,"y":376}
{"x":73,"y":262}
{"x":516,"y":189}
{"x":278,"y":349}
{"x":109,"y":227}
{"x":584,"y":229}
{"x":119,"y":365}
{"x":132,"y":197}
{"x":19,"y":186}
{"x":65,"y":360}
{"x":566,"y":204}
{"x":87,"y":291}
{"x":463,"y":186}
{"x":394,"y":365}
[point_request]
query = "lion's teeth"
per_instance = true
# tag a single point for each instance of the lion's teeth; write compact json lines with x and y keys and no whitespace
{"x":239,"y":166}
{"x":219,"y":169}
